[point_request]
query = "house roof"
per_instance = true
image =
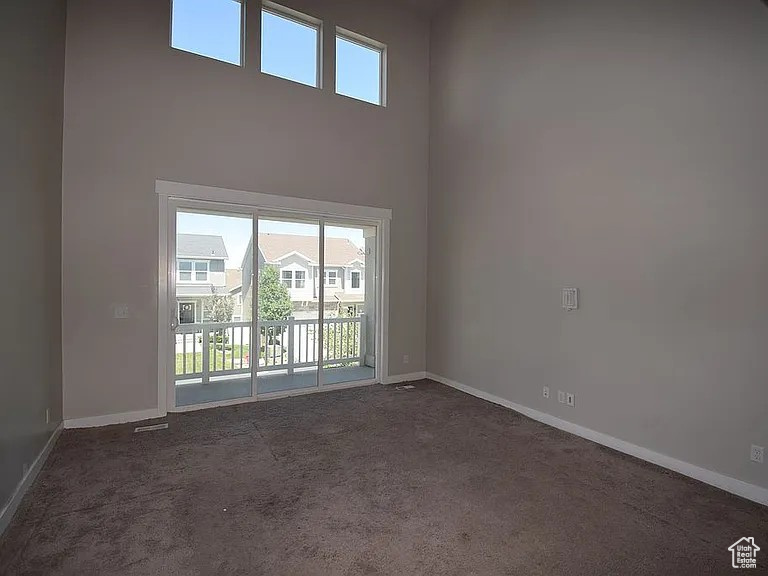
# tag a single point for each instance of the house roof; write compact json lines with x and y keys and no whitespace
{"x":200,"y":246}
{"x":234,"y":278}
{"x":338,"y":251}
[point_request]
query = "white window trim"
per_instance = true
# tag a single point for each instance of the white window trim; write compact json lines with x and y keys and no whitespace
{"x":299,"y":18}
{"x":352,"y":280}
{"x":371,"y":44}
{"x":327,"y":277}
{"x":293,"y":279}
{"x":242,"y":39}
{"x":296,"y":280}
{"x":172,"y":195}
{"x":193,"y":279}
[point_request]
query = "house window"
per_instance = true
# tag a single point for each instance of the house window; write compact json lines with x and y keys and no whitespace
{"x":360,"y":67}
{"x":189,"y":267}
{"x":290,"y":45}
{"x":185,"y":271}
{"x":331,"y":277}
{"x":210,"y":28}
{"x":355,"y":280}
{"x":301,"y":279}
{"x":201,"y":271}
{"x":287,"y":277}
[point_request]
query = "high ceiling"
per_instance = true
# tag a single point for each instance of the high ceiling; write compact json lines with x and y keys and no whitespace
{"x":429,"y":7}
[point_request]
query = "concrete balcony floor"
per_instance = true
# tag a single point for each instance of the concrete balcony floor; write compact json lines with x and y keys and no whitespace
{"x":192,"y":392}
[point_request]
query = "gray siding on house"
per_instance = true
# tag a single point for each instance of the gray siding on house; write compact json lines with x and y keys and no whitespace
{"x":199,"y":290}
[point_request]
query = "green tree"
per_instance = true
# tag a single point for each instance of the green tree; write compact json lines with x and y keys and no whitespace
{"x":274,"y":299}
{"x":218,"y":308}
{"x":274,"y":305}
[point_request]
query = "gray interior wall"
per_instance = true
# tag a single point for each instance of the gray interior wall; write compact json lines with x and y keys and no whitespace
{"x":31,"y":112}
{"x":137,"y":111}
{"x":619,"y":147}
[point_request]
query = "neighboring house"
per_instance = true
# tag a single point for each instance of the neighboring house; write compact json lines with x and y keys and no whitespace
{"x":235,"y":290}
{"x":200,"y":273}
{"x":298,"y":262}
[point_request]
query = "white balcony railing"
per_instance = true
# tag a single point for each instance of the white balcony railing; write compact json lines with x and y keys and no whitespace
{"x":284,"y":345}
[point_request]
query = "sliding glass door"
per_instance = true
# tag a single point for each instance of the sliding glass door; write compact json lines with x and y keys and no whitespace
{"x":349,"y":311}
{"x":267,"y":303}
{"x":212,"y":340}
{"x":289,"y":303}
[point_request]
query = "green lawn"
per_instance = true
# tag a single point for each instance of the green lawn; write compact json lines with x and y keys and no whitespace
{"x":218,"y":355}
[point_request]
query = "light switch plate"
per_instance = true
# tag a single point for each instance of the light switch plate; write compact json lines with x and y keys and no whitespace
{"x":570,"y":298}
{"x":120,"y":311}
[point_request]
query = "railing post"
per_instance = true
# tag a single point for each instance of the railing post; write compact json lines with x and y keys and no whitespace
{"x":362,"y":339}
{"x":291,"y":340}
{"x":206,"y":355}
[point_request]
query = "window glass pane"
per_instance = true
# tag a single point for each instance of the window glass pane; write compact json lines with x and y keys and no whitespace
{"x":185,"y":276}
{"x":185,"y":265}
{"x":358,"y":71}
{"x":289,"y":48}
{"x":201,"y":266}
{"x":201,"y":276}
{"x":210,"y":28}
{"x":355,"y":279}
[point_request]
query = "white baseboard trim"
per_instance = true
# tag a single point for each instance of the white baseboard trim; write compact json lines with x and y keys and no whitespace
{"x":6,"y":514}
{"x":727,"y":483}
{"x":109,"y":419}
{"x":400,"y":378}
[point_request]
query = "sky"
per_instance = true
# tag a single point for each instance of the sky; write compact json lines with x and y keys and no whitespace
{"x":236,"y":231}
{"x":212,"y":28}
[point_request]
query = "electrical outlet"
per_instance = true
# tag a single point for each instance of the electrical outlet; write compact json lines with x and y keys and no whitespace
{"x":546,"y":392}
{"x":406,"y":359}
{"x":561,"y":396}
{"x":570,"y":399}
{"x":47,"y":415}
{"x":756,"y":454}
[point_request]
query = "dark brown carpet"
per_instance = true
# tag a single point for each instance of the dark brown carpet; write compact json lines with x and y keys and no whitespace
{"x":367,"y":481}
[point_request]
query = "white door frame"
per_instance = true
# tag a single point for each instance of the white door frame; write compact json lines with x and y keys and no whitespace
{"x":257,"y":204}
